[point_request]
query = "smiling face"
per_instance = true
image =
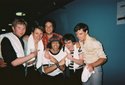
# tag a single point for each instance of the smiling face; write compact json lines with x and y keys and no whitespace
{"x":19,"y":30}
{"x":37,"y":34}
{"x":48,"y":27}
{"x":55,"y":45}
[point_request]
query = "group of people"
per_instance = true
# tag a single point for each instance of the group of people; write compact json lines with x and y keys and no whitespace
{"x":45,"y":57}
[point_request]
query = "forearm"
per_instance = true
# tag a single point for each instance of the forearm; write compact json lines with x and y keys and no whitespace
{"x":21,"y":60}
{"x":99,"y":62}
{"x":62,"y":67}
{"x":49,"y":69}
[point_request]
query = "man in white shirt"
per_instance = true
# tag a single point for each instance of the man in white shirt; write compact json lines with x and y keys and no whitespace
{"x":54,"y":62}
{"x":74,"y":60}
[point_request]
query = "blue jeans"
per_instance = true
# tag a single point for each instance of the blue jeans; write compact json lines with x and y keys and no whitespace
{"x":96,"y":78}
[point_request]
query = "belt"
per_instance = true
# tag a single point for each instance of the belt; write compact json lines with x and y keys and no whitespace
{"x":76,"y":70}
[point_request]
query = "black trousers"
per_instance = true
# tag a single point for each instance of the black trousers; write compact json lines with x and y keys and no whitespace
{"x":53,"y":80}
{"x":74,"y":77}
{"x":33,"y":77}
{"x":11,"y":76}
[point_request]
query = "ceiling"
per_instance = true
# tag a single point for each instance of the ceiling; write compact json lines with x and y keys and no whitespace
{"x":34,"y":9}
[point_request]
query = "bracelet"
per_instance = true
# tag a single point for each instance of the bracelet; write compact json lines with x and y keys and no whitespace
{"x":57,"y":64}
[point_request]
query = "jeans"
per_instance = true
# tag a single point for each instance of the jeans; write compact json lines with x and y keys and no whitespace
{"x":96,"y":78}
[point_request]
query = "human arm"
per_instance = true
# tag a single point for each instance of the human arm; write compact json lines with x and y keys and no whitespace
{"x":50,"y":68}
{"x":79,"y":61}
{"x":62,"y":64}
{"x":21,"y":60}
{"x":56,"y":64}
{"x":9,"y":54}
{"x":98,"y":52}
{"x":99,"y":62}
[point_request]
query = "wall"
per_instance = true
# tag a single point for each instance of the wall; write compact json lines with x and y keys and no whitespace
{"x":100,"y":15}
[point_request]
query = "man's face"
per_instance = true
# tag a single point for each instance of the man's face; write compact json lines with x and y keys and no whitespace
{"x":37,"y":34}
{"x":48,"y":28}
{"x":69,"y":44}
{"x":55,"y":45}
{"x":19,"y":30}
{"x":81,"y":35}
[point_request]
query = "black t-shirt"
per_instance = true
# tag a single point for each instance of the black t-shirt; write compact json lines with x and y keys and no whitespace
{"x":9,"y":55}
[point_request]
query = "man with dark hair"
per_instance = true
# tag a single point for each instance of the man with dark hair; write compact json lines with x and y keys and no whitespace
{"x":94,"y":56}
{"x":54,"y":63}
{"x":49,"y":27}
{"x":74,"y":60}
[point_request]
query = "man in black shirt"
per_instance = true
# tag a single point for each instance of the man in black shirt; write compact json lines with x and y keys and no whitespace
{"x":12,"y":50}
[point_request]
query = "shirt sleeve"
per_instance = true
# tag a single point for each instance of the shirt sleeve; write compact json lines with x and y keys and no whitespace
{"x":7,"y":51}
{"x":100,"y":50}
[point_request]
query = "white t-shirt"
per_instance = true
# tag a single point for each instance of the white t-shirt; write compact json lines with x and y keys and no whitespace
{"x":58,"y":57}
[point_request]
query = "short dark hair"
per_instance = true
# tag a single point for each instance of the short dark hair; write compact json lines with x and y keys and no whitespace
{"x":52,"y":39}
{"x":19,"y":21}
{"x":82,"y":26}
{"x":38,"y":27}
{"x":69,"y":36}
{"x":51,"y":21}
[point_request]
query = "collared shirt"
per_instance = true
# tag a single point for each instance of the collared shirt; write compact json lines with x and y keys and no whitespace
{"x":92,"y":50}
{"x":45,"y":38}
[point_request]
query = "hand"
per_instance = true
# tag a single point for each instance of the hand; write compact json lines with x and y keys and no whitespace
{"x":34,"y":54}
{"x":69,"y":56}
{"x":77,"y":44}
{"x":2,"y":63}
{"x":62,"y":67}
{"x":81,"y":56}
{"x":90,"y":67}
{"x":47,"y":55}
{"x":62,"y":64}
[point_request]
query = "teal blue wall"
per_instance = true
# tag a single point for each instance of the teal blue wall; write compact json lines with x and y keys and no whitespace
{"x":100,"y":15}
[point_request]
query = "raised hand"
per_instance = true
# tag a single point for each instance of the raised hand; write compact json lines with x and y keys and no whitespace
{"x":34,"y":53}
{"x":47,"y":55}
{"x":69,"y":56}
